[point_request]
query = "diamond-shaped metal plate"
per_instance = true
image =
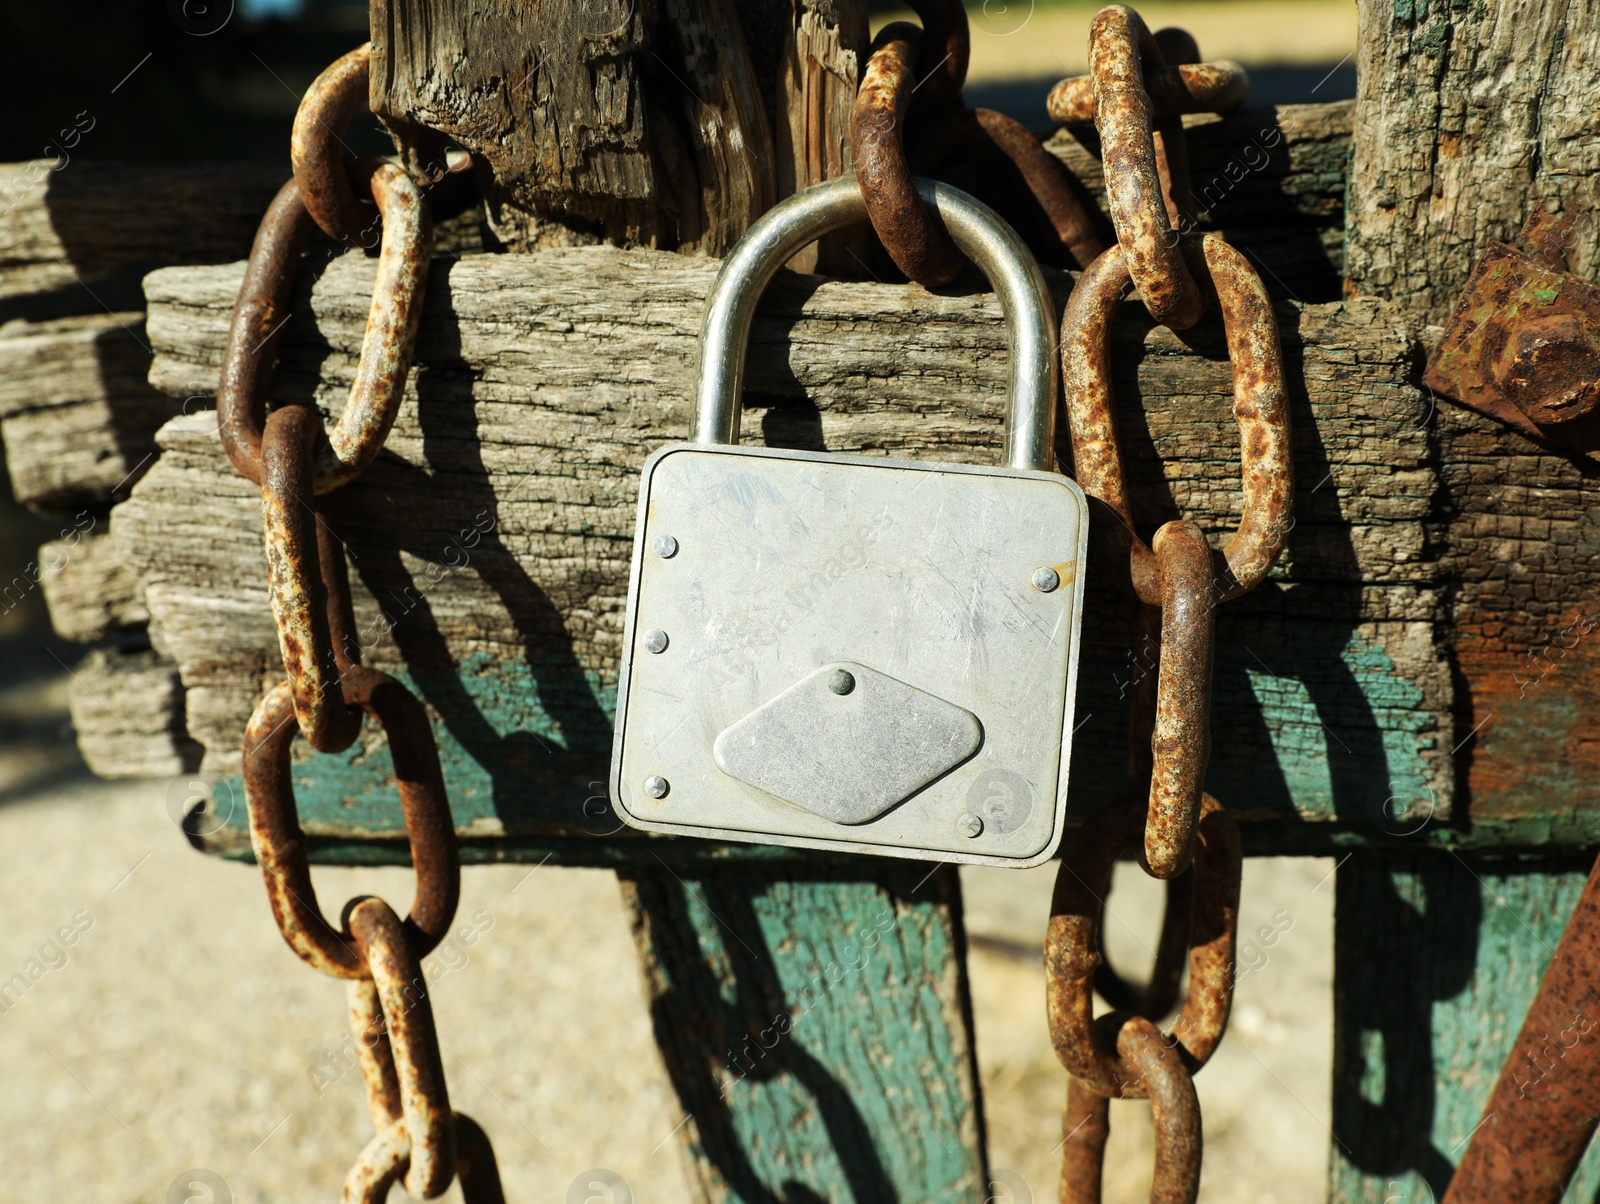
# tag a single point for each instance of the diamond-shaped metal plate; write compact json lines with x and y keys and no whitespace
{"x":847,"y":742}
{"x":784,"y":563}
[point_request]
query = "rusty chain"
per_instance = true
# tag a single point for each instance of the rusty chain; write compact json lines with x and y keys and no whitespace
{"x":1140,"y":86}
{"x":1176,"y":573}
{"x":280,"y":845}
{"x":263,"y":308}
{"x":1086,"y":1123}
{"x":303,"y":599}
{"x":910,"y":120}
{"x":1123,"y":1054}
{"x":1174,"y":90}
{"x":1137,"y":103}
{"x":909,"y":230}
{"x":1087,"y":1046}
{"x":419,"y":1140}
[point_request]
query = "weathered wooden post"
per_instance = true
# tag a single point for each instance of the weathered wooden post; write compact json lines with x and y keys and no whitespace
{"x":1469,"y":120}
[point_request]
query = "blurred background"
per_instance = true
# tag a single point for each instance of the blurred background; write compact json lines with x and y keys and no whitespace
{"x":180,"y":1042}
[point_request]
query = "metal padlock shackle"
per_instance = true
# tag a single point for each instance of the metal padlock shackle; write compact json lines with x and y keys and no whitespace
{"x":982,"y":237}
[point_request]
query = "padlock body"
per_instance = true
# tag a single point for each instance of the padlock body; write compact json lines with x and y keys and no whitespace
{"x":851,"y":653}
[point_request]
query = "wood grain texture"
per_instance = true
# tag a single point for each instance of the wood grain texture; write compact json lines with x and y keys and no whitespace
{"x":633,"y":122}
{"x":95,"y":228}
{"x":550,"y":96}
{"x":1471,"y":116}
{"x":1436,"y":960}
{"x":91,"y":589}
{"x":824,"y":53}
{"x":491,"y":541}
{"x":77,"y":414}
{"x":816,"y":1026}
{"x":127,"y":708}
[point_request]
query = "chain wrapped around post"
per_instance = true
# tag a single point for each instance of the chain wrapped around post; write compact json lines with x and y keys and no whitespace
{"x":910,"y":120}
{"x":1139,"y":87}
{"x":420,"y":1141}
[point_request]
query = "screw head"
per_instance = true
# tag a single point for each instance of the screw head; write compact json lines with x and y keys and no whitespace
{"x":656,"y":786}
{"x":1046,"y":579}
{"x":841,"y":681}
{"x":969,"y":825}
{"x":664,"y":546}
{"x":655,"y":640}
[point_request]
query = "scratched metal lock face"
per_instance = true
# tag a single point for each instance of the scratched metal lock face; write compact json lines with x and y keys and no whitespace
{"x":850,"y":653}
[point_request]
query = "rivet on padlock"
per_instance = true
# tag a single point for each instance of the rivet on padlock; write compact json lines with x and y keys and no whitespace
{"x":864,"y":650}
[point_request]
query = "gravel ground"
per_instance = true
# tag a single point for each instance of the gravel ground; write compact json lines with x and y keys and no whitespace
{"x":171,"y":1030}
{"x":1265,"y":1095}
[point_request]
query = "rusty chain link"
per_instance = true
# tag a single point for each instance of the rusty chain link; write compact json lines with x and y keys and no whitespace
{"x":386,"y":347}
{"x":1136,"y":101}
{"x":383,"y":1162}
{"x":316,"y":149}
{"x":1087,"y":1047}
{"x":1139,"y":88}
{"x":1086,"y":1123}
{"x":1155,"y":998}
{"x":1262,"y":414}
{"x":419,"y":1087}
{"x":419,"y":1140}
{"x":910,"y":120}
{"x":1175,"y":90}
{"x":398,"y":1052}
{"x":911,"y":232}
{"x":1118,"y":42}
{"x":301,"y":602}
{"x":280,"y":845}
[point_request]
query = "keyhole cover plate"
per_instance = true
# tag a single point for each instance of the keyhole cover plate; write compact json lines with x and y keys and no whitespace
{"x":848,"y":752}
{"x":915,"y":577}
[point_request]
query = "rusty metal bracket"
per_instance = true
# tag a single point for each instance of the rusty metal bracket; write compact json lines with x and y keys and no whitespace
{"x":1523,"y":346}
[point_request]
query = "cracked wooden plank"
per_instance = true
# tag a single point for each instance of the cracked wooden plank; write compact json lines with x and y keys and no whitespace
{"x":77,"y":414}
{"x":85,"y":232}
{"x":490,"y":542}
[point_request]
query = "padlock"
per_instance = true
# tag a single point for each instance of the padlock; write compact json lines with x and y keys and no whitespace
{"x":850,"y":653}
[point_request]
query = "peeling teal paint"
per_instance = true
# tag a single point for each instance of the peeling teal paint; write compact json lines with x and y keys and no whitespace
{"x":1320,"y":754}
{"x":865,"y":1003}
{"x":1318,"y":721}
{"x":1437,"y":40}
{"x":544,"y":764}
{"x":1438,"y":961}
